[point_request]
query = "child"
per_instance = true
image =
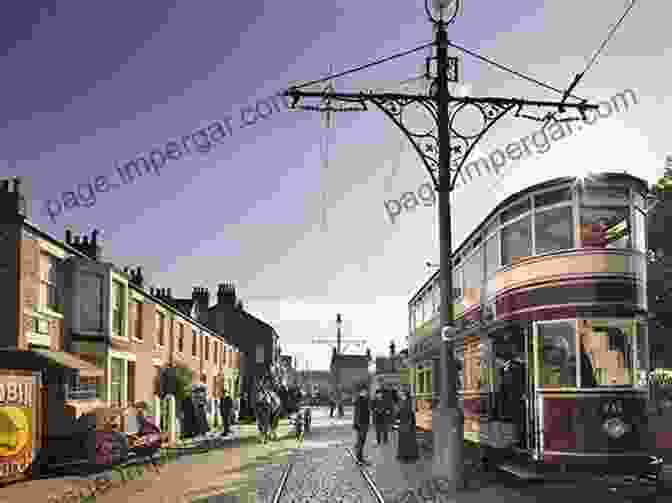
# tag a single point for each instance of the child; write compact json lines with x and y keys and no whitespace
{"x":298,"y":427}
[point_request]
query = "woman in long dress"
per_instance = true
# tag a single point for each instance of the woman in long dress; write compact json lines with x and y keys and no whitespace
{"x":407,"y":447}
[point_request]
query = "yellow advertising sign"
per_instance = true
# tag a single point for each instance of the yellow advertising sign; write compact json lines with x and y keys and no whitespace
{"x":18,"y":396}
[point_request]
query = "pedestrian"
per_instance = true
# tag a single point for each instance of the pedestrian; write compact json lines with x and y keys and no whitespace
{"x":225,"y":409}
{"x":332,"y":406}
{"x":381,"y":411}
{"x":361,"y":423}
{"x":341,"y":413}
{"x":407,"y":447}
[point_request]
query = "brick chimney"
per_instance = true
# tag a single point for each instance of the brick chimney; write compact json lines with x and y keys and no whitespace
{"x":91,"y":248}
{"x":137,"y":277}
{"x":201,"y":296}
{"x":12,"y":200}
{"x":226,"y":294}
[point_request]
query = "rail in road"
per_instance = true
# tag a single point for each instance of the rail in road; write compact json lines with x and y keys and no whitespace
{"x":296,"y":486}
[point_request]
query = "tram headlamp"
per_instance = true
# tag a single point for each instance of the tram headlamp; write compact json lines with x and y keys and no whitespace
{"x":615,"y":427}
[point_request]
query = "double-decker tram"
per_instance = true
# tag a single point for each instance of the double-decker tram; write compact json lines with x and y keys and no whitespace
{"x":550,"y":306}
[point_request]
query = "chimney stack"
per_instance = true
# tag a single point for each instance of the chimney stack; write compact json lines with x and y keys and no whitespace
{"x":226,"y":294}
{"x":13,"y":202}
{"x":201,"y":296}
{"x":136,"y":276}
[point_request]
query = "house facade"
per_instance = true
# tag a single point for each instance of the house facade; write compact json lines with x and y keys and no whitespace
{"x":257,"y":341}
{"x":62,"y":299}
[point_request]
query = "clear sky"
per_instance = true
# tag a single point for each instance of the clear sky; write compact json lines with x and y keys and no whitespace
{"x":90,"y":85}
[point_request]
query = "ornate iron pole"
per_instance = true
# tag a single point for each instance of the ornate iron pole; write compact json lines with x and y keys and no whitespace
{"x":443,"y":151}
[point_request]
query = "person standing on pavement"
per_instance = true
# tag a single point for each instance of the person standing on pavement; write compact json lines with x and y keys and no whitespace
{"x":332,"y":405}
{"x":380,"y":413}
{"x":407,"y":447}
{"x":225,"y":408}
{"x":362,"y":421}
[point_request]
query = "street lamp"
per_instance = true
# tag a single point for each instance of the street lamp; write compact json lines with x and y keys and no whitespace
{"x":443,"y":169}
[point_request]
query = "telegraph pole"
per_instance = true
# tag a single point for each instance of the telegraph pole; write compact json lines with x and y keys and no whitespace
{"x":444,"y":162}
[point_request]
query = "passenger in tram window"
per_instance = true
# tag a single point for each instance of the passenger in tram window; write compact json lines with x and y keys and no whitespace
{"x":587,"y":372}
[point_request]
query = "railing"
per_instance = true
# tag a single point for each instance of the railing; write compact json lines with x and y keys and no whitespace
{"x":81,"y":392}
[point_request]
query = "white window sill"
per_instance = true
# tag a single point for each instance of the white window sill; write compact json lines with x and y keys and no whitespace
{"x":46,"y":311}
{"x":120,"y":337}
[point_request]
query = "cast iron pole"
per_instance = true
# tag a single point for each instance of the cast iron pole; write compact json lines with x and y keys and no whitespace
{"x":448,"y":430}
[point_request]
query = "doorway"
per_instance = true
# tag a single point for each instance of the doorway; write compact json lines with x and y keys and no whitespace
{"x":512,"y":390}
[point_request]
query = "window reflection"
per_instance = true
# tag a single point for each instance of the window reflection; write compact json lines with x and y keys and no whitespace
{"x":516,"y":241}
{"x":608,"y":353}
{"x":554,"y":230}
{"x":557,"y":354}
{"x":605,"y":227}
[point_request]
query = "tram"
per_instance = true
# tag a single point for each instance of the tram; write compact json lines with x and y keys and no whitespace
{"x":550,"y":306}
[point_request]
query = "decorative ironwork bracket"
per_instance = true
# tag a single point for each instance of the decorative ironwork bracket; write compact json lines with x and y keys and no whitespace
{"x":426,"y":143}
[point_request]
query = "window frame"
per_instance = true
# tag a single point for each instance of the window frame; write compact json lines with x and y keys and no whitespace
{"x":180,"y":339}
{"x":136,"y":331}
{"x":552,"y":207}
{"x":194,"y":343}
{"x":118,"y":311}
{"x":537,"y":355}
{"x":629,"y":222}
{"x":159,"y":333}
{"x":50,"y":285}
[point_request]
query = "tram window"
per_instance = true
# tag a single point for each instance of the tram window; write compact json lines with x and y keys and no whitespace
{"x":516,"y":241}
{"x":491,"y":256}
{"x":604,"y":194}
{"x":553,"y":197}
{"x":640,"y":231}
{"x":457,"y":284}
{"x":515,"y":211}
{"x":608,"y":348}
{"x":557,"y":356}
{"x":605,"y":227}
{"x":553,"y":230}
{"x":473,"y":276}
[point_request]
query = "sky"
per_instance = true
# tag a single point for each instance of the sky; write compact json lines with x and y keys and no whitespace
{"x":89,"y":86}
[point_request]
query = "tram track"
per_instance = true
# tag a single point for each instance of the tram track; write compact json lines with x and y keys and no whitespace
{"x":280,"y":495}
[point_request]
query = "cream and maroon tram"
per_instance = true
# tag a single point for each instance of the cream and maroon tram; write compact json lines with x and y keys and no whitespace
{"x":550,"y":303}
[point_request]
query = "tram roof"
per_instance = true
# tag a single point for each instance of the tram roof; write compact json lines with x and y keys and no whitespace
{"x":598,"y":177}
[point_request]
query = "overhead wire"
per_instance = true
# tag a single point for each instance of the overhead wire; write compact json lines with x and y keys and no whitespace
{"x":364,"y":67}
{"x":609,"y":37}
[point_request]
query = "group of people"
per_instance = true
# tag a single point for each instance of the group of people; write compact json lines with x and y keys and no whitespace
{"x":384,"y":412}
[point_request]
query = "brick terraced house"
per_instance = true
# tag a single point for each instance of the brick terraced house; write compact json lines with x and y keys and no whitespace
{"x":103,"y":327}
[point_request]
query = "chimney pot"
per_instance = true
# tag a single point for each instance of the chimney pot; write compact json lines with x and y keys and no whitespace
{"x":76,"y":240}
{"x":17,"y":184}
{"x":170,"y":293}
{"x":68,"y":236}
{"x":5,"y":185}
{"x":94,"y":236}
{"x":85,"y":240}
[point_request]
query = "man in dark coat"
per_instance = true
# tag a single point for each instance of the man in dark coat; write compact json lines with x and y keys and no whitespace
{"x":362,"y":421}
{"x":225,"y":408}
{"x":381,"y":414}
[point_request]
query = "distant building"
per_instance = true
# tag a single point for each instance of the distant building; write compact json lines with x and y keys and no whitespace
{"x":349,"y":371}
{"x":391,"y":372}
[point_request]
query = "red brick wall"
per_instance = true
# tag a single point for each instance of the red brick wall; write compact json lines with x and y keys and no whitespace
{"x":30,"y":286}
